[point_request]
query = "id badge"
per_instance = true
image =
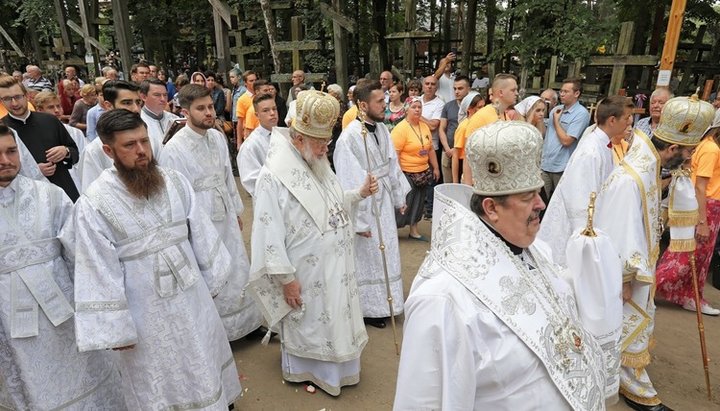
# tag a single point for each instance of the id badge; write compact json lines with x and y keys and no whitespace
{"x":423,"y":152}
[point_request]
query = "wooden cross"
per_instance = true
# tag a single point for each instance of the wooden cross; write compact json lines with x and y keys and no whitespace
{"x":60,"y":49}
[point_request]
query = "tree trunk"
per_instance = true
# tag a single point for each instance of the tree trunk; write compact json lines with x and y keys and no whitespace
{"x":270,"y":26}
{"x":409,"y":46}
{"x":469,"y":40}
{"x":491,"y":16}
{"x":510,"y":29}
{"x":380,"y":23}
{"x":658,"y":27}
{"x":447,"y":33}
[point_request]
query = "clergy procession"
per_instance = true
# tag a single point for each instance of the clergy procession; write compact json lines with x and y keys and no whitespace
{"x":429,"y":233}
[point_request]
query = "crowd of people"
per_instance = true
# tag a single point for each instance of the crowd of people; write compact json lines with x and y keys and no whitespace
{"x":124,"y":272}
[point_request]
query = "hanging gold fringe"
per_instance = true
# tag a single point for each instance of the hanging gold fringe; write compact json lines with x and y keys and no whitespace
{"x":635,"y":360}
{"x":682,"y":245}
{"x":683,"y":218}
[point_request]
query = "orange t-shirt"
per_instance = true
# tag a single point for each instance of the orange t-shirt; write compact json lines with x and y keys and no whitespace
{"x":243,"y":105}
{"x":251,"y":120}
{"x":483,"y":117}
{"x":706,"y":163}
{"x":349,"y":116}
{"x":413,"y":145}
{"x":4,"y":112}
{"x":461,"y":138}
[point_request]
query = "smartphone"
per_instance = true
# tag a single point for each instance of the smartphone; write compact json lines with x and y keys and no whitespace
{"x":453,"y":50}
{"x":547,"y":109}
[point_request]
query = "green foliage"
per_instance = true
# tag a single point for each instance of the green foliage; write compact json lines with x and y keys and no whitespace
{"x":543,"y":28}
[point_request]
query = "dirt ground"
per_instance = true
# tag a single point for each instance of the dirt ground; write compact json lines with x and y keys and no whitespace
{"x":676,"y":369}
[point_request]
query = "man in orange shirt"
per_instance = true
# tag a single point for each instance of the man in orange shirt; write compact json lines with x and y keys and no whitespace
{"x":251,"y":119}
{"x":673,"y":271}
{"x":244,"y":103}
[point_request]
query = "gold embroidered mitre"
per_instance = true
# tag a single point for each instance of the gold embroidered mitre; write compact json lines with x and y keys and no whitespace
{"x":684,"y":120}
{"x":317,"y":113}
{"x":505,"y":158}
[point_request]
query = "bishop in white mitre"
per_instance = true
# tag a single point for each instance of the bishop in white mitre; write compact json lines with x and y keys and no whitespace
{"x":200,"y":153}
{"x":353,"y":165}
{"x":148,"y":263}
{"x":40,"y":366}
{"x":303,"y":271}
{"x":491,"y":324}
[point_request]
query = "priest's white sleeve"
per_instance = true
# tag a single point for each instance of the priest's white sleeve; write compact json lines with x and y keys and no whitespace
{"x":400,"y":185}
{"x":249,"y":165}
{"x":437,"y":368}
{"x":102,"y":316}
{"x":229,"y":178}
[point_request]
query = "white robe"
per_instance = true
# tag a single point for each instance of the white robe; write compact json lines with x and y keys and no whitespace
{"x":251,"y":157}
{"x":589,"y":166}
{"x":145,"y":271}
{"x":157,"y":129}
{"x":40,"y":366}
{"x":628,"y":210}
{"x":489,"y":330}
{"x":79,"y":138}
{"x":351,"y":165}
{"x":205,"y":161}
{"x":295,"y":235}
{"x":28,"y":165}
{"x":93,"y":161}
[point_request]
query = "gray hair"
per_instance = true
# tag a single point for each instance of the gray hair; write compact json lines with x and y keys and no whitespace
{"x":657,"y":91}
{"x":335,"y":88}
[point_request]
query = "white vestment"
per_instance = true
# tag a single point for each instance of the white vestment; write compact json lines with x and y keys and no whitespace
{"x":628,"y":210}
{"x":145,"y":271}
{"x":157,"y":128}
{"x":488,"y":329}
{"x":204,"y":160}
{"x":251,"y":157}
{"x":302,"y":229}
{"x":93,"y":161}
{"x":79,"y":138}
{"x":590,"y":164}
{"x":28,"y":165}
{"x":40,"y":366}
{"x":351,"y":165}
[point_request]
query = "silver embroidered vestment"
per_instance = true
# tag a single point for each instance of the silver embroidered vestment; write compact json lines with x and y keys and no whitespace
{"x":489,"y":330}
{"x":352,"y":168}
{"x":40,"y":366}
{"x":145,"y":271}
{"x":205,"y":161}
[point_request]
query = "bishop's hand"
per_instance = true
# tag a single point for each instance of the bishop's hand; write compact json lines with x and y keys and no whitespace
{"x":369,"y":187}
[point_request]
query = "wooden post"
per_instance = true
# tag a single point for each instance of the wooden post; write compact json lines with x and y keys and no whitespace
{"x":222,"y":44}
{"x":707,"y":90}
{"x":62,"y":21}
{"x":553,"y":71}
{"x":408,"y":43}
{"x":624,"y":47}
{"x":296,"y":35}
{"x":340,"y":48}
{"x":122,"y":34}
{"x":688,"y":69}
{"x":672,"y":36}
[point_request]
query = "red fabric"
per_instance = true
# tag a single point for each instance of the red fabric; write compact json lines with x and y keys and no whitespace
{"x":673,"y":276}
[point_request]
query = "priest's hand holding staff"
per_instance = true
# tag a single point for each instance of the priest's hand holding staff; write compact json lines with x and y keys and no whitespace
{"x":369,"y":187}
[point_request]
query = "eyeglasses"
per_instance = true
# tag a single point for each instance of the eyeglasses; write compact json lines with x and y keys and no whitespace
{"x":9,"y":99}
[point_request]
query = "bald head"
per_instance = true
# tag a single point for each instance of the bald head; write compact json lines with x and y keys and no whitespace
{"x":386,"y":80}
{"x":298,"y":77}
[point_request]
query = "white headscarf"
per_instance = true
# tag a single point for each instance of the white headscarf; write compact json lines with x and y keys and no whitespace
{"x":524,"y":106}
{"x":465,"y":104}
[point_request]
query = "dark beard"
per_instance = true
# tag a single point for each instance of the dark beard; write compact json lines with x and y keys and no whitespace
{"x":674,"y":162}
{"x":142,"y":182}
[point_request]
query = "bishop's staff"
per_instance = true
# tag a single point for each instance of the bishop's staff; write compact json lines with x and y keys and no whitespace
{"x":364,"y":133}
{"x":701,"y":325}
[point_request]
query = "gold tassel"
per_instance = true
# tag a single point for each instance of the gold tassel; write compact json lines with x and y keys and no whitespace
{"x":682,"y":245}
{"x":635,"y":360}
{"x":683,"y":218}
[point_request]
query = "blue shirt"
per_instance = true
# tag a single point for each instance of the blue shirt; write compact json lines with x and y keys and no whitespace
{"x":92,"y":118}
{"x":238,"y":91}
{"x":574,"y":121}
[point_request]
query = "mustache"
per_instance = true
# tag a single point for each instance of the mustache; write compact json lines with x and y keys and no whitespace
{"x":534,"y":216}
